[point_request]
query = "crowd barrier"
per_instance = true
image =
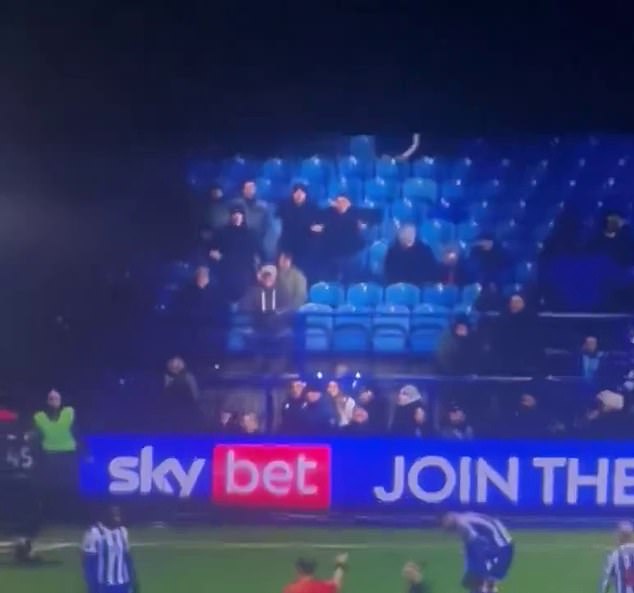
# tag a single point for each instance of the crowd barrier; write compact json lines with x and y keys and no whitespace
{"x":381,"y":476}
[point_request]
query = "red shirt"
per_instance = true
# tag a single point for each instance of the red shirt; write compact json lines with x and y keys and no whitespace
{"x":310,"y":585}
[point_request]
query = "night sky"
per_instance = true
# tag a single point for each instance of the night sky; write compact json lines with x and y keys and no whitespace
{"x":100,"y":74}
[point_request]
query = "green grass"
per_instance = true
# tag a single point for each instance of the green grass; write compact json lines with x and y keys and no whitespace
{"x":260,"y":560}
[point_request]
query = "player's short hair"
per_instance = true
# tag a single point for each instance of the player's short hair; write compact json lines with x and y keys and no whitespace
{"x":306,"y":566}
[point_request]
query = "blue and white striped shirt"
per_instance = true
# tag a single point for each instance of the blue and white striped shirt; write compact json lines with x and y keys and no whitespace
{"x":476,"y":526}
{"x":107,"y":559}
{"x":619,"y":570}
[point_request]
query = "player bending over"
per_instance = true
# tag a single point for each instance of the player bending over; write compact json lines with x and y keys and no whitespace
{"x":108,"y":566}
{"x":619,"y":567}
{"x":488,"y":550}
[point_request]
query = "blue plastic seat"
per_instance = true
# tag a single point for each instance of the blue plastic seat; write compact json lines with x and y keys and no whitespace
{"x":390,"y":328}
{"x":388,"y":168}
{"x":511,"y":289}
{"x":317,"y":315}
{"x":491,"y":189}
{"x":506,"y":229}
{"x":542,"y":231}
{"x":452,"y":190}
{"x":264,"y":188}
{"x":381,"y":190}
{"x":404,"y":211}
{"x":351,"y":166}
{"x":426,"y":166}
{"x":239,"y":169}
{"x":351,"y":331}
{"x":363,"y":147}
{"x":481,"y":211}
{"x":470,"y":293}
{"x":376,"y":257}
{"x":439,"y":294}
{"x":326,"y":293}
{"x":468,"y":231}
{"x":461,"y":168}
{"x":435,"y":232}
{"x":403,"y":294}
{"x":318,"y":322}
{"x":275,"y":169}
{"x":347,"y":186}
{"x":365,"y":294}
{"x":420,"y":189}
{"x":428,"y":325}
{"x":315,"y":170}
{"x":525,"y":272}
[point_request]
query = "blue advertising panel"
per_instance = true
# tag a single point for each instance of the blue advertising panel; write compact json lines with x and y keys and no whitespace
{"x":380,"y":475}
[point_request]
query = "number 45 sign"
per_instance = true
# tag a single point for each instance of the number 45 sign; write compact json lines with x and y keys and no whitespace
{"x":20,"y":458}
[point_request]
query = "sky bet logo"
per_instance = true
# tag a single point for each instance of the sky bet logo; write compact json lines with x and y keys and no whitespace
{"x":146,"y":475}
{"x":289,"y":477}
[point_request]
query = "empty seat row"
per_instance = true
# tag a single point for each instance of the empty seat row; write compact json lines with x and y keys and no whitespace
{"x":371,"y":294}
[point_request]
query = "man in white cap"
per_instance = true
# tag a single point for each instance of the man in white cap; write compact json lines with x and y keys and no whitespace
{"x":619,"y":567}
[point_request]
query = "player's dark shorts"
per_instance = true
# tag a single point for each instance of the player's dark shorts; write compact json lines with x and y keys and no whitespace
{"x":487,"y":562}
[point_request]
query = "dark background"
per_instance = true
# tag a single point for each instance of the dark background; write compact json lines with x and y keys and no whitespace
{"x":103,"y":104}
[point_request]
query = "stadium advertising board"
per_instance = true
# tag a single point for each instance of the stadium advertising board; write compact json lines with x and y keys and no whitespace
{"x":366,"y":475}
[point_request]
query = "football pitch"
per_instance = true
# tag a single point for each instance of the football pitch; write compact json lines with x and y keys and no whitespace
{"x":260,"y":560}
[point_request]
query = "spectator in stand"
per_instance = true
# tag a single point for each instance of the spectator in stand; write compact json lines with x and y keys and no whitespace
{"x":452,"y":270}
{"x":487,"y":260}
{"x":607,"y":419}
{"x":257,"y":213}
{"x":216,"y":214}
{"x":249,"y":424}
{"x":528,"y":420}
{"x":359,"y":425}
{"x":516,"y":343}
{"x":409,"y":259}
{"x":343,"y":404}
{"x":342,"y":239}
{"x":229,"y":423}
{"x":179,"y":411}
{"x":457,"y":350}
{"x":614,"y":241}
{"x":490,"y":299}
{"x":375,"y":406}
{"x":292,"y":418}
{"x":300,"y":220}
{"x":456,"y":426}
{"x":292,"y":281}
{"x":590,"y":361}
{"x":203,"y":313}
{"x":318,"y":419}
{"x":410,"y":415}
{"x":235,"y":250}
{"x":269,"y":307}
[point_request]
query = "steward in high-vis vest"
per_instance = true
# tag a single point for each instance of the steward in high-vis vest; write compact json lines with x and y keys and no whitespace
{"x":55,"y":428}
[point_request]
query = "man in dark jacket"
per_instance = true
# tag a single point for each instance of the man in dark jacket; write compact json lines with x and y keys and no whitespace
{"x":409,"y":259}
{"x":342,"y":239}
{"x":235,"y":251}
{"x":457,"y":351}
{"x":202,"y":317}
{"x":300,"y":220}
{"x":179,"y":411}
{"x":319,"y":418}
{"x":292,"y":420}
{"x":517,"y":347}
{"x":486,"y":261}
{"x":257,"y":213}
{"x":216,"y":211}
